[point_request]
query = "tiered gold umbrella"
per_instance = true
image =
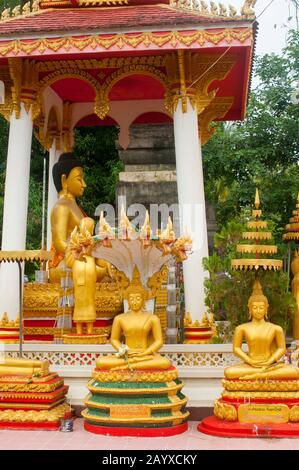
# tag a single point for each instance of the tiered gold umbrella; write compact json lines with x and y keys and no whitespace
{"x":253,"y":253}
{"x":292,"y":235}
{"x":292,"y":229}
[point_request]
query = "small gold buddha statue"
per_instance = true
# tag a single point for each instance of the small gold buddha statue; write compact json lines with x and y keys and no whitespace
{"x":84,"y":273}
{"x":142,"y":333}
{"x":266,"y":345}
{"x":10,"y":366}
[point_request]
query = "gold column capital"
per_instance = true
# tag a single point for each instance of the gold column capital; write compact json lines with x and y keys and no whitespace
{"x":190,"y":75}
{"x":216,"y":110}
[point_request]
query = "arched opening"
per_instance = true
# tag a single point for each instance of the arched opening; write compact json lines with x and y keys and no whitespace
{"x":137,"y":87}
{"x":74,"y":89}
{"x":153,"y":118}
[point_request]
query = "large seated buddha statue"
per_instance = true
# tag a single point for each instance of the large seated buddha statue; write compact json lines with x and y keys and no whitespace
{"x":136,"y":391}
{"x":262,"y":388}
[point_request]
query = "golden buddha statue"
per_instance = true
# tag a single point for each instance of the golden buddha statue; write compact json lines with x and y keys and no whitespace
{"x":142,"y":332}
{"x":266,"y":345}
{"x":66,"y":214}
{"x":10,"y":366}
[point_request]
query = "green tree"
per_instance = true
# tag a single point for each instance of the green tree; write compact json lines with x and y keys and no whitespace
{"x":96,"y":148}
{"x":262,"y":150}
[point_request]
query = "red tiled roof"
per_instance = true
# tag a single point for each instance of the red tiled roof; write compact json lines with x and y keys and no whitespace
{"x":103,"y":19}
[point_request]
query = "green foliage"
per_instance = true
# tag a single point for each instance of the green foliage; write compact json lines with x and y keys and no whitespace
{"x":261,"y":151}
{"x":228,"y":291}
{"x":96,"y":148}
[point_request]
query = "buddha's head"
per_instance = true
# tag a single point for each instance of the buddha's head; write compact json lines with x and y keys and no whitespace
{"x":136,"y":294}
{"x":258,"y":303}
{"x":68,"y":175}
{"x":136,"y":299}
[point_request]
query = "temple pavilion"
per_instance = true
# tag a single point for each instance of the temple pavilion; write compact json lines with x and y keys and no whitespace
{"x":68,"y":63}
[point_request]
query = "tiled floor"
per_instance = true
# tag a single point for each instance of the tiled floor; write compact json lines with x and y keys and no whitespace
{"x":82,"y":440}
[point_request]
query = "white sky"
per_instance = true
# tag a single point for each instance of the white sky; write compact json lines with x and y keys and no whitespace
{"x":271,"y":39}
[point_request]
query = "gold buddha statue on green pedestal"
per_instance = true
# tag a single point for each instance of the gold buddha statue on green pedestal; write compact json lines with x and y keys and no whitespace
{"x":143,"y":336}
{"x":261,"y":389}
{"x":136,"y":391}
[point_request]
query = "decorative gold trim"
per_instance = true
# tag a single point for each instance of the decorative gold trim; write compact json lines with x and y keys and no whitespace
{"x":39,"y":331}
{"x":135,"y":376}
{"x":93,"y":3}
{"x":35,"y":416}
{"x":196,"y":72}
{"x":176,"y":406}
{"x":255,"y":264}
{"x":177,"y":418}
{"x":32,"y":387}
{"x":25,"y":378}
{"x":261,"y":385}
{"x":257,"y":224}
{"x":155,"y":282}
{"x":171,"y":389}
{"x":255,"y":394}
{"x":174,"y":38}
{"x":258,"y":249}
{"x":41,"y":314}
{"x":35,"y":406}
{"x":291,"y":236}
{"x":294,"y":414}
{"x":102,"y":105}
{"x":84,"y":339}
{"x":106,"y":63}
{"x":25,"y":255}
{"x":216,"y":10}
{"x":225,"y":412}
{"x":257,"y":235}
{"x":218,"y":109}
{"x":25,"y":10}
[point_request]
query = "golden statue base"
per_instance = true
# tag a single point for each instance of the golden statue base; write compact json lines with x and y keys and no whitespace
{"x":41,"y":310}
{"x":255,"y":408}
{"x":135,"y":403}
{"x":31,"y":400}
{"x":74,"y":338}
{"x":199,"y":332}
{"x":9,"y":335}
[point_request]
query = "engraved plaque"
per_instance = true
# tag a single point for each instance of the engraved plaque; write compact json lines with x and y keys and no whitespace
{"x":265,"y":413}
{"x":130,"y":411}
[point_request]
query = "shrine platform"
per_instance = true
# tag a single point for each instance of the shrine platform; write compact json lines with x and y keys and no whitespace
{"x":201,"y":367}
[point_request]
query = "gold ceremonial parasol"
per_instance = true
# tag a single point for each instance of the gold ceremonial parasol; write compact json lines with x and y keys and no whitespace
{"x":253,"y":252}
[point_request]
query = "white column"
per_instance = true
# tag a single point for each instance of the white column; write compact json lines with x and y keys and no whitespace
{"x":52,"y":193}
{"x":15,"y":206}
{"x":192,"y":205}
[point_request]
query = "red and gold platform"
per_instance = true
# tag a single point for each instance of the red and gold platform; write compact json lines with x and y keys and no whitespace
{"x":136,"y":403}
{"x":32,"y":401}
{"x":255,"y":408}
